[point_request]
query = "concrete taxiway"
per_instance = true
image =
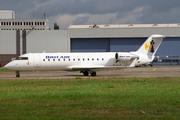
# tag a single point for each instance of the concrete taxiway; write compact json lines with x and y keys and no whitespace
{"x":156,"y":71}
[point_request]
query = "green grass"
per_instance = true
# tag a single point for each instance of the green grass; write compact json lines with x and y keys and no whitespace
{"x":5,"y":70}
{"x":104,"y":98}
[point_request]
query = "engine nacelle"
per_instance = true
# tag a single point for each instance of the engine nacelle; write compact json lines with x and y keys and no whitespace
{"x":125,"y":56}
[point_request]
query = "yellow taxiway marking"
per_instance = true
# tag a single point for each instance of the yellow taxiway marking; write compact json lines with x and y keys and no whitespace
{"x":154,"y":69}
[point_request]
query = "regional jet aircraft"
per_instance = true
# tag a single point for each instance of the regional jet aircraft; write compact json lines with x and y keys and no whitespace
{"x":86,"y":63}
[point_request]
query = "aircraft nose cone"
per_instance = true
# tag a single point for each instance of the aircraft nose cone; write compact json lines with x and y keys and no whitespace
{"x":9,"y":66}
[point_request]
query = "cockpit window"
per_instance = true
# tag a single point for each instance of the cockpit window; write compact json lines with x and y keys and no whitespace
{"x":21,"y":58}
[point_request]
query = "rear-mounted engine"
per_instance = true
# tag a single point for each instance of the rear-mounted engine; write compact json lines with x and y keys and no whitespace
{"x":125,"y":56}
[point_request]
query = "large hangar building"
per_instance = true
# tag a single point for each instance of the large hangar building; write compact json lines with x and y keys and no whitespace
{"x":90,"y":38}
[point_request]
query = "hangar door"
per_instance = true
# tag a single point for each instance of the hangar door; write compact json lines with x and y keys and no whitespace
{"x":169,"y":47}
{"x":90,"y":45}
{"x":125,"y":44}
{"x":106,"y":45}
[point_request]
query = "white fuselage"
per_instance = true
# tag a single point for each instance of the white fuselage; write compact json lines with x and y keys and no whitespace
{"x":72,"y":61}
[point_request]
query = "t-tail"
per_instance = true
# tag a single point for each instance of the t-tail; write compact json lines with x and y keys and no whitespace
{"x":149,"y":48}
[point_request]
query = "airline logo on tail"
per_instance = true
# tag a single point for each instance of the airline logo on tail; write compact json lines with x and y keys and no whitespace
{"x":149,"y":46}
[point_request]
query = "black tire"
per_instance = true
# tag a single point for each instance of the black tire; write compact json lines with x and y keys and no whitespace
{"x":17,"y":75}
{"x":86,"y":73}
{"x":93,"y":74}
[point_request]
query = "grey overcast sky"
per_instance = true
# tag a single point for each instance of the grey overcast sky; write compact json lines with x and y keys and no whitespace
{"x":80,"y":12}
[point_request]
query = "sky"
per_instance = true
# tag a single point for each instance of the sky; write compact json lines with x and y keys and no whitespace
{"x":88,"y":12}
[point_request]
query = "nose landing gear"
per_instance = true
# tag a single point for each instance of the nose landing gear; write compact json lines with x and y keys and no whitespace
{"x":17,"y":74}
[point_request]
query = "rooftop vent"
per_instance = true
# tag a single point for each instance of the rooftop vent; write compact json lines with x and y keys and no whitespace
{"x":106,"y":25}
{"x":130,"y":25}
{"x":155,"y":25}
{"x":94,"y":26}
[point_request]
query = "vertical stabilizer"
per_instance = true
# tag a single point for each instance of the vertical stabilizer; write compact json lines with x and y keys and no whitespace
{"x":150,"y":46}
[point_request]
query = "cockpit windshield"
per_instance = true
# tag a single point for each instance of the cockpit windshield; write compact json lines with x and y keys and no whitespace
{"x":21,"y":58}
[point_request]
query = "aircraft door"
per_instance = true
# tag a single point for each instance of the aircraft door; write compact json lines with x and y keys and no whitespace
{"x":37,"y":62}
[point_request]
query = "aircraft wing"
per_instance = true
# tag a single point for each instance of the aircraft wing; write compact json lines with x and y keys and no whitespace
{"x":87,"y":68}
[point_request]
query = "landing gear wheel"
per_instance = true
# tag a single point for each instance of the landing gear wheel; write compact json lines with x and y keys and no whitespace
{"x":17,"y":74}
{"x":93,"y":74}
{"x":86,"y":73}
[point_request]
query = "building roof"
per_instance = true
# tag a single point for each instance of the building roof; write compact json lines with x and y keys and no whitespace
{"x":124,"y":26}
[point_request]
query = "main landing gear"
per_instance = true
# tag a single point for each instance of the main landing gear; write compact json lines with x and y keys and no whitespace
{"x":86,"y":73}
{"x":17,"y":74}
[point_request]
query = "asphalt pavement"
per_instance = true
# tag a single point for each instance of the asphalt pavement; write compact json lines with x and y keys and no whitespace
{"x":155,"y":71}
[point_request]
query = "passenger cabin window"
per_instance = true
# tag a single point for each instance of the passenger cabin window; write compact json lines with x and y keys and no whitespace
{"x":21,"y":58}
